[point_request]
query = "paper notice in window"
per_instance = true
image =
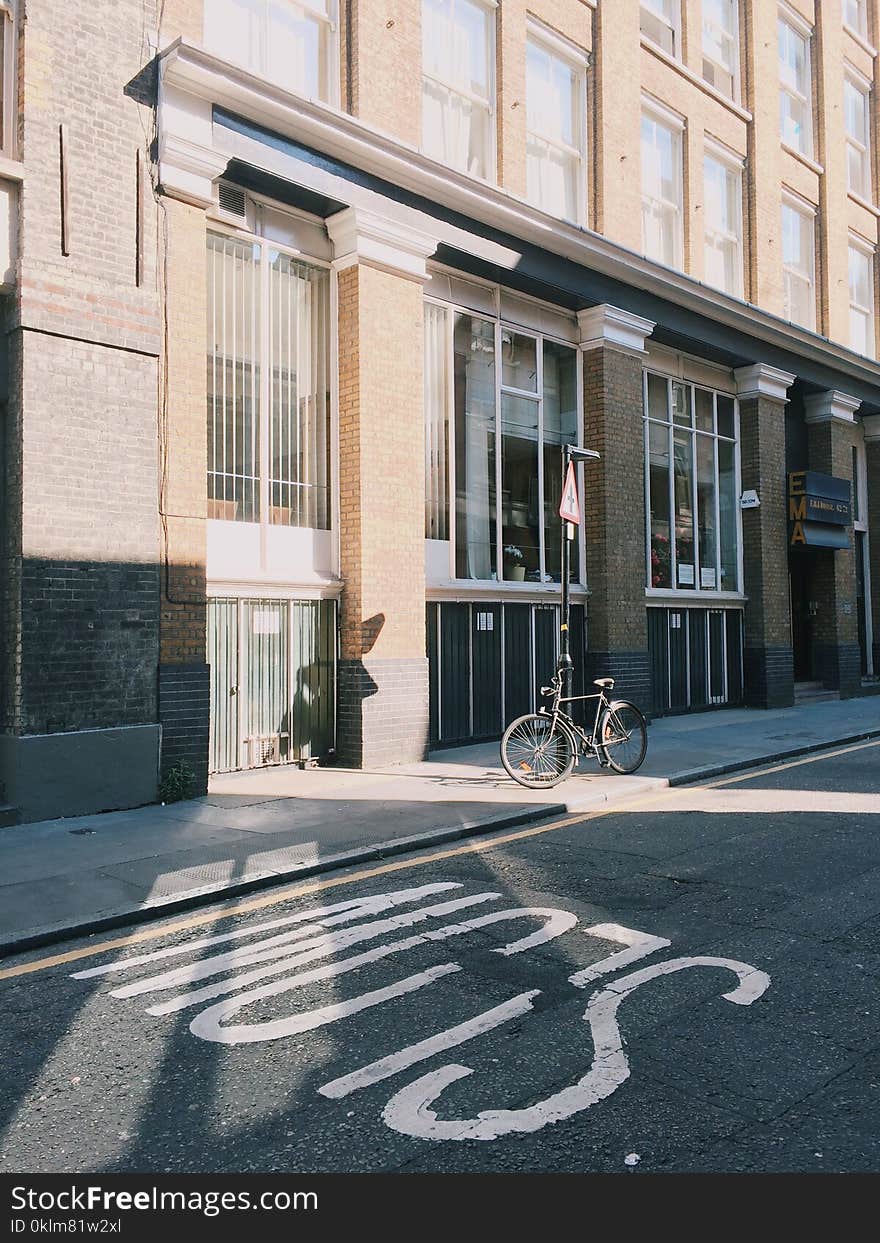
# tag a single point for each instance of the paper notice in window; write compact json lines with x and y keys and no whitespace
{"x":707,"y":579}
{"x":685,"y":574}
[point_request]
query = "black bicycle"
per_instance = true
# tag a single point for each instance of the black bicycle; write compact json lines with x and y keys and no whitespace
{"x":541,"y":748}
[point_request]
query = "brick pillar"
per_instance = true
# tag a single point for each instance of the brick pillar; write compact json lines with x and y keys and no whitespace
{"x":383,"y":668}
{"x":871,"y":425}
{"x":836,"y":656}
{"x":184,"y":676}
{"x":767,"y":654}
{"x":614,"y":500}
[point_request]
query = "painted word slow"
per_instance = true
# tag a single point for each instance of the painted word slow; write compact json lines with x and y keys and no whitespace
{"x":218,"y":977}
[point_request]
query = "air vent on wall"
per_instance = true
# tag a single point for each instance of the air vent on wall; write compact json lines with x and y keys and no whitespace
{"x":232,"y":201}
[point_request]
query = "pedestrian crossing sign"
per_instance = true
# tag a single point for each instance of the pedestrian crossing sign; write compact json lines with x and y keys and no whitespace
{"x":569,"y":509}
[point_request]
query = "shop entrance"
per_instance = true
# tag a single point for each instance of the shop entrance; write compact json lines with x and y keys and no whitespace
{"x":800,"y":588}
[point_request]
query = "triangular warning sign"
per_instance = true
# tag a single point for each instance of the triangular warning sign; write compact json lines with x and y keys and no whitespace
{"x":569,"y":510}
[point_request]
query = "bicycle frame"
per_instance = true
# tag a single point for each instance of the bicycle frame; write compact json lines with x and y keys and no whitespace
{"x":587,"y":743}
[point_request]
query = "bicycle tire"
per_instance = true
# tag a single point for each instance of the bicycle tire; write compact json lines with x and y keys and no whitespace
{"x":624,"y":722}
{"x":526,"y":757}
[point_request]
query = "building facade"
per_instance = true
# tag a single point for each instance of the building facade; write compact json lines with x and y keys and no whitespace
{"x":302,"y":300}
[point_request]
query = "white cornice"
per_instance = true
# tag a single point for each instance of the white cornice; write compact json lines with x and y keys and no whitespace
{"x":871,"y":425}
{"x":610,"y":325}
{"x":830,"y":407}
{"x":759,"y":380}
{"x":192,"y":71}
{"x":360,"y":236}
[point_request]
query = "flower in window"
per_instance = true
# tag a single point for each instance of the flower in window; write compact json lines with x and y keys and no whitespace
{"x":661,"y":561}
{"x":513,"y":552}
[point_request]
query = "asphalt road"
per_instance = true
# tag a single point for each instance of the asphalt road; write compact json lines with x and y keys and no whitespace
{"x":724,"y":1013}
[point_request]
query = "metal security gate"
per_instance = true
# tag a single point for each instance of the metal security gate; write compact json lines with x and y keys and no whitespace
{"x":695,"y":657}
{"x":273,"y":673}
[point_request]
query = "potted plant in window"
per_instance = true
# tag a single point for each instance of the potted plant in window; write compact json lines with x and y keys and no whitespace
{"x":514,"y":568}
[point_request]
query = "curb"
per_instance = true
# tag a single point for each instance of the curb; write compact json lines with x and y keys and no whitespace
{"x":211,"y":894}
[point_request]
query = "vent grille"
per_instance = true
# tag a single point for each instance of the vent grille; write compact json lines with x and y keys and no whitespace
{"x":232,"y":200}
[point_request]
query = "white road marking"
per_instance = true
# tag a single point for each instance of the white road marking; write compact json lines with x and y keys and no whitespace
{"x":385,"y":1067}
{"x":207,"y":1024}
{"x":409,"y":1110}
{"x":557,"y":922}
{"x":350,"y":909}
{"x":320,"y":947}
{"x":640,"y":945}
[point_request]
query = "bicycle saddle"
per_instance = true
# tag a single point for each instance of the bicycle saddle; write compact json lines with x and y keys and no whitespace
{"x":606,"y":682}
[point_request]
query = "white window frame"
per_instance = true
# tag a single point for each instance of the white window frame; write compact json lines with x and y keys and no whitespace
{"x":697,"y":593}
{"x":864,"y":248}
{"x":9,"y":85}
{"x":490,"y":104}
{"x":734,"y":70}
{"x":330,"y":21}
{"x":663,"y":116}
{"x":788,"y":17}
{"x":736,"y":164}
{"x":861,"y":84}
{"x":794,"y":203}
{"x":501,"y":323}
{"x":860,"y":26}
{"x":673,"y":25}
{"x":578,"y":61}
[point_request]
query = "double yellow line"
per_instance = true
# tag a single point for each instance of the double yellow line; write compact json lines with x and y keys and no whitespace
{"x":320,"y":885}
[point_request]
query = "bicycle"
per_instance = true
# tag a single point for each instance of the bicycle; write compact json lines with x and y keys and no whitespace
{"x":541,"y":748}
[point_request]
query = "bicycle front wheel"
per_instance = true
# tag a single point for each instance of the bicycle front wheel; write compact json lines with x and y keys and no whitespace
{"x":537,"y":752}
{"x":623,"y":736}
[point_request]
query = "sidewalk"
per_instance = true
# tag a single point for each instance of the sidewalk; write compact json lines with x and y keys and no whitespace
{"x":67,"y":877}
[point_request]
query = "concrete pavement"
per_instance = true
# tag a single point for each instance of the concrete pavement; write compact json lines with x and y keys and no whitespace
{"x":68,"y":877}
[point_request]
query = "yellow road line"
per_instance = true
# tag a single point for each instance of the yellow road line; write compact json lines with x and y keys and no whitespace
{"x":490,"y":842}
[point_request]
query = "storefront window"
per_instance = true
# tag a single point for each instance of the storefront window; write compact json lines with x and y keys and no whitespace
{"x":691,"y":483}
{"x":506,"y":437}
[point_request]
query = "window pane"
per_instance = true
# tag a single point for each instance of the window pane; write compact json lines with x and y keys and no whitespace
{"x":299,"y":420}
{"x":728,"y":510}
{"x":720,"y":37}
{"x":474,"y":372}
{"x":436,"y":423}
{"x":456,"y":130}
{"x":658,"y":483}
{"x":519,"y":361}
{"x":233,"y":380}
{"x":723,"y":228}
{"x":281,"y":39}
{"x":706,"y":511}
{"x":520,"y":516}
{"x":683,"y":489}
{"x":658,"y":23}
{"x":797,"y":258}
{"x":681,"y":404}
{"x":456,"y":56}
{"x":703,"y":405}
{"x":658,"y":397}
{"x":726,"y":424}
{"x":661,"y":192}
{"x":560,"y":427}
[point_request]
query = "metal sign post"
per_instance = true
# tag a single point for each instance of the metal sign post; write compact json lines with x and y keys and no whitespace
{"x":569,"y":512}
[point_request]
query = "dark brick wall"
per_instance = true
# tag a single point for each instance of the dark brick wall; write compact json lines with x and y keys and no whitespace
{"x":382,"y":711}
{"x":89,"y":639}
{"x":767,"y":657}
{"x":872,"y":462}
{"x":184,"y":711}
{"x":631,"y":672}
{"x":768,"y":677}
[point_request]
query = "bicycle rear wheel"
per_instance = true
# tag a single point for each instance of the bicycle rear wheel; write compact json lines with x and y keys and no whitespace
{"x":623,"y":736}
{"x":537,"y":752}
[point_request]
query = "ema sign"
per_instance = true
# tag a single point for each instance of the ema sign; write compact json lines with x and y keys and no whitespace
{"x":818,"y":510}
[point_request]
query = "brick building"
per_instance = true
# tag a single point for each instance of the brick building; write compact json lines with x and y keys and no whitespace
{"x":301,"y":300}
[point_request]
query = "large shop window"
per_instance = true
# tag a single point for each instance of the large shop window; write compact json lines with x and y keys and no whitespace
{"x":268,"y":386}
{"x":291,"y":42}
{"x":499,"y":404}
{"x":692,"y":487}
{"x":458,"y":89}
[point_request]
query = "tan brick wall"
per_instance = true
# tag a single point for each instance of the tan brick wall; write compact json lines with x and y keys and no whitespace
{"x":385,"y":66}
{"x":181,"y":18}
{"x":382,"y":465}
{"x":182,"y":444}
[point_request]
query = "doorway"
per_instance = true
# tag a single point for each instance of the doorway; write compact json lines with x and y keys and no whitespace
{"x":800,"y":589}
